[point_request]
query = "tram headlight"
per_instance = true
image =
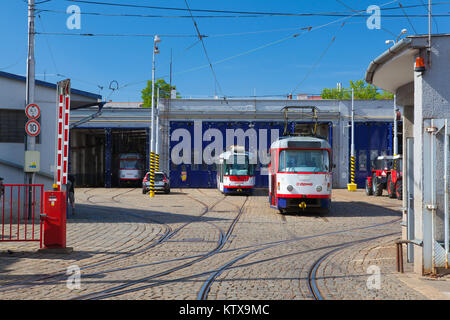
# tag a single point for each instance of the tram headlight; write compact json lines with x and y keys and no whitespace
{"x":319,"y":188}
{"x":290,"y":188}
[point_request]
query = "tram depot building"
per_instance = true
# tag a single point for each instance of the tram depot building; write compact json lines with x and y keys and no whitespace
{"x":12,"y":127}
{"x":188,"y":128}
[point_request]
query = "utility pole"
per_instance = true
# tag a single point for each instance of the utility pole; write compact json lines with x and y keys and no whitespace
{"x":30,"y":82}
{"x":30,"y":144}
{"x":156,"y":40}
{"x":352,"y":186}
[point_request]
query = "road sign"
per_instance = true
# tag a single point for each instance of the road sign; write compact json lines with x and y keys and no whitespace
{"x":33,"y":128}
{"x":33,"y":111}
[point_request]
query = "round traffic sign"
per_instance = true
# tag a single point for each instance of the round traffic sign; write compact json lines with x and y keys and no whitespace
{"x":32,"y":127}
{"x":33,"y":111}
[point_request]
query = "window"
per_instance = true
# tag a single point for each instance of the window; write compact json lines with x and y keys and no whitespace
{"x":301,"y":160}
{"x":239,"y":166}
{"x":12,"y":126}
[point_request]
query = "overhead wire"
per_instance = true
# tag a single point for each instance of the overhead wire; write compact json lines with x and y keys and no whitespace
{"x":241,"y":12}
{"x":216,"y":82}
{"x":405,"y":14}
{"x":432,"y":16}
{"x":318,"y":59}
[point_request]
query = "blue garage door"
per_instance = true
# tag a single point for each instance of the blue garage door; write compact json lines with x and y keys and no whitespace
{"x":372,"y":139}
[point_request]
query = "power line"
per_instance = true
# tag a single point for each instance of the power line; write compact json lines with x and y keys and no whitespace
{"x":319,"y":59}
{"x":409,"y":21}
{"x":216,"y":82}
{"x":117,"y":35}
{"x":243,"y":12}
{"x":382,"y":28}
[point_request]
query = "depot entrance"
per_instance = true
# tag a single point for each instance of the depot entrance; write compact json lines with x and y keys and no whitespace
{"x":95,"y":156}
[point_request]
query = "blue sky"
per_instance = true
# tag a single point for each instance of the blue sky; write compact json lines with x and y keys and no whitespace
{"x":280,"y":63}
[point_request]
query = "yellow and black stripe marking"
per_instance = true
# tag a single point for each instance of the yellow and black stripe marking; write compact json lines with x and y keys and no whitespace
{"x":152,"y":174}
{"x":157,"y":162}
{"x":352,"y":169}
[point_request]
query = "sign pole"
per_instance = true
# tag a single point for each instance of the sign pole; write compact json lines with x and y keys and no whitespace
{"x":30,"y":144}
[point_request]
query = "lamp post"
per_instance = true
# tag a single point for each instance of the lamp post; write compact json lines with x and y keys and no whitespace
{"x":156,"y":40}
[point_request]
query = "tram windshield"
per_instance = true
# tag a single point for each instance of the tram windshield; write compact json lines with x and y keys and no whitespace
{"x":303,"y":160}
{"x":238,"y":166}
{"x":135,"y":164}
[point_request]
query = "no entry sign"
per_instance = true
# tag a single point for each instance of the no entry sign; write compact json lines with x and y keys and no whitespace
{"x":33,"y":111}
{"x":32,"y":128}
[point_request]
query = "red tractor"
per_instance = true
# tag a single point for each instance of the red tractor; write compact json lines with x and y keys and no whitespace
{"x":386,"y":174}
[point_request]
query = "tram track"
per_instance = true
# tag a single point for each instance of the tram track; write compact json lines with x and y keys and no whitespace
{"x":214,"y":275}
{"x":167,"y":234}
{"x":124,"y":289}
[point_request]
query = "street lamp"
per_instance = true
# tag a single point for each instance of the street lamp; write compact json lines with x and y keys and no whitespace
{"x":156,"y":40}
{"x":396,"y":40}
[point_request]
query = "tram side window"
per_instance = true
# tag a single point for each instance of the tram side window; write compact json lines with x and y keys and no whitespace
{"x":301,"y":160}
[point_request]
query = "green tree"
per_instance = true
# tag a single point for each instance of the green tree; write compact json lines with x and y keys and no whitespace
{"x":362,"y":90}
{"x":164,"y":92}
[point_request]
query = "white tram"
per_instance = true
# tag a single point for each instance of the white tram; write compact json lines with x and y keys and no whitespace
{"x":131,"y":168}
{"x":300,"y":171}
{"x":235,"y":171}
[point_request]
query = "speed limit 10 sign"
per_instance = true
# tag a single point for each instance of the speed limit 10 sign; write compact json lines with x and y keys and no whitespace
{"x":32,"y":128}
{"x":33,"y":111}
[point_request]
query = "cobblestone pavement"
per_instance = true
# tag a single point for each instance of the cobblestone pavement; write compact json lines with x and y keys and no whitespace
{"x":198,"y":243}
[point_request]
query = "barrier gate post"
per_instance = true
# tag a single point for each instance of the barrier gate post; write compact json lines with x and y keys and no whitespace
{"x":54,"y":217}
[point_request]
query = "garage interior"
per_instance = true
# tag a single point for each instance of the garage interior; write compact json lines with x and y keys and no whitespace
{"x":94,"y":154}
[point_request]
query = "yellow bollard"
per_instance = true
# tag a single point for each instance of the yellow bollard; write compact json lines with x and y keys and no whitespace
{"x":152,"y":175}
{"x":352,"y":185}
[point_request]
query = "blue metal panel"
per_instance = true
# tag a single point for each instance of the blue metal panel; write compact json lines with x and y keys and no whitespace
{"x":372,"y":139}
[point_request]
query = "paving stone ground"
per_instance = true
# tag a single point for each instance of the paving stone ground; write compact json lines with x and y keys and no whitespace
{"x":130,"y":246}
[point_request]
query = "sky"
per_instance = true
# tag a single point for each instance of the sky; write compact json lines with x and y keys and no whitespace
{"x":250,"y":53}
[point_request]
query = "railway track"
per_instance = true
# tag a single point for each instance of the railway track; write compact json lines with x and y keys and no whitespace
{"x":125,"y":288}
{"x":312,"y":283}
{"x":167,"y":234}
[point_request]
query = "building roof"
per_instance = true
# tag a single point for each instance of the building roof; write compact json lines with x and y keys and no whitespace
{"x":395,"y":67}
{"x":50,"y":85}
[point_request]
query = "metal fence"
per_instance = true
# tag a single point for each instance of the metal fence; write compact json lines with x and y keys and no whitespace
{"x":21,"y":206}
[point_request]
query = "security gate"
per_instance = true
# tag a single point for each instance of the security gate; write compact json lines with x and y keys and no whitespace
{"x":21,"y":206}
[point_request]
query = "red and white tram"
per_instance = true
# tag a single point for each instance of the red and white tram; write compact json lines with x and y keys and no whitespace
{"x":235,"y":171}
{"x":300,"y":174}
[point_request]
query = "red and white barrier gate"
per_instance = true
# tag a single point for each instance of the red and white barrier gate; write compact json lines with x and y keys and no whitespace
{"x":20,"y":219}
{"x":62,"y":154}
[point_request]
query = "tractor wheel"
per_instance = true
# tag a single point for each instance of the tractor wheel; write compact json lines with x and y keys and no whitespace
{"x":369,"y":190}
{"x":376,"y":186}
{"x":391,"y":188}
{"x":399,"y":189}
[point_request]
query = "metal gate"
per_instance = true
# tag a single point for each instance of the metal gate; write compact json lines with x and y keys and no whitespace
{"x":21,"y":206}
{"x":436,"y":193}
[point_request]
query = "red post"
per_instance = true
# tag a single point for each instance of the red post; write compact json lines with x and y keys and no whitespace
{"x":55,"y":204}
